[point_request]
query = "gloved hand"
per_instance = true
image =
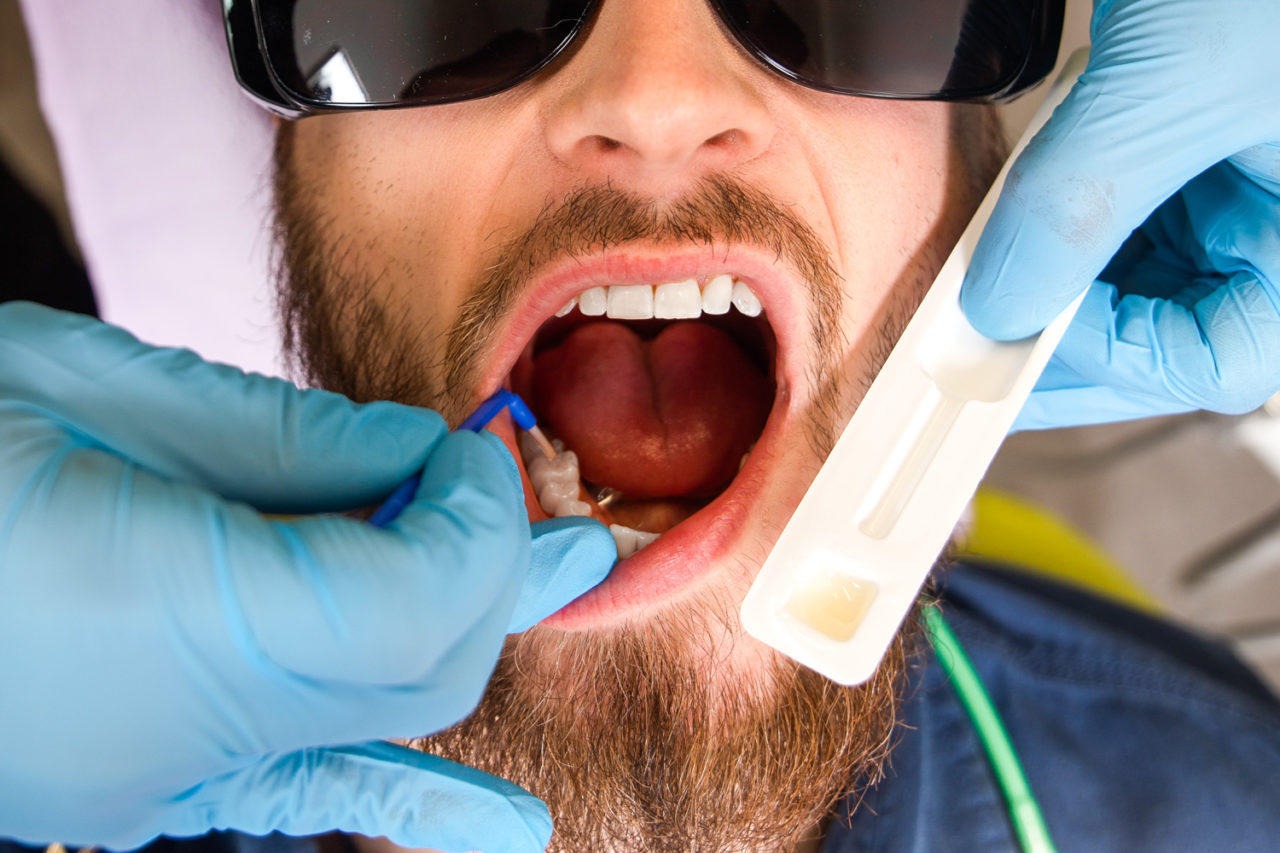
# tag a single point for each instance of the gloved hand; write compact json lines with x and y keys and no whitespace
{"x":1181,"y":98}
{"x":172,"y":661}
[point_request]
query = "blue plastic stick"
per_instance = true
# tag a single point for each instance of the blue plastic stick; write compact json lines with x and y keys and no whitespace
{"x":489,"y":409}
{"x":476,"y":421}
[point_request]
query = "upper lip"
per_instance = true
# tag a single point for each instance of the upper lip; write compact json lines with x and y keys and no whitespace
{"x":558,"y":282}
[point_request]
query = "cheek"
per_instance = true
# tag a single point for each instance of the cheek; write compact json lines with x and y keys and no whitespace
{"x":889,"y":204}
{"x":399,"y":202}
{"x":895,"y":194}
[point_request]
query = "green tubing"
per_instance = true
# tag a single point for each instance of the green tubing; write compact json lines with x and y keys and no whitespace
{"x":1024,"y":811}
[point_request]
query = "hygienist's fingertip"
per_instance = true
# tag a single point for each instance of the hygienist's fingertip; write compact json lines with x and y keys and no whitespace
{"x":569,"y":557}
{"x":988,"y":313}
{"x":577,"y":539}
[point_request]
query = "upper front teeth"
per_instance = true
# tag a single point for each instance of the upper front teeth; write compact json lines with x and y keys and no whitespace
{"x":631,"y":302}
{"x":745,"y":300}
{"x":593,"y":302}
{"x":680,"y":300}
{"x":717,"y":293}
{"x":677,"y":300}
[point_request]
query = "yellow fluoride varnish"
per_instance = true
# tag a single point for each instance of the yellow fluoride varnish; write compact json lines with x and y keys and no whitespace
{"x":832,"y":604}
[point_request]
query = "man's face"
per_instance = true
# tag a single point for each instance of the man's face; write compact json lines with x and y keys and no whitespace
{"x":426,"y":253}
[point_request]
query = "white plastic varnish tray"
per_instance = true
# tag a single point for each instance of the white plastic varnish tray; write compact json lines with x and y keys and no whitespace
{"x":849,"y":564}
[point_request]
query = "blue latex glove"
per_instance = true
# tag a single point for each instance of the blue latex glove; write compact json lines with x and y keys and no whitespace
{"x":1181,"y":98}
{"x":172,"y":661}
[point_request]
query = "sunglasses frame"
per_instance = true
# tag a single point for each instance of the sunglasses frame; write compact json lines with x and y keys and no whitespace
{"x":248,"y":50}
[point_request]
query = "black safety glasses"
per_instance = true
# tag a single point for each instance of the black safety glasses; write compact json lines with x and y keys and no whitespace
{"x":308,"y":56}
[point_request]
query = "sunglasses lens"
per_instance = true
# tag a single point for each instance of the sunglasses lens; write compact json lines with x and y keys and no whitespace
{"x":900,"y":48}
{"x":386,"y":52}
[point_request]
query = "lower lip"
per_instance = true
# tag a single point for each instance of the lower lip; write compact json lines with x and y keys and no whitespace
{"x":681,"y":557}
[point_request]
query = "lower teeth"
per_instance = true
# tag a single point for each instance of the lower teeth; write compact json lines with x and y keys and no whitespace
{"x":558,"y":484}
{"x":630,"y":540}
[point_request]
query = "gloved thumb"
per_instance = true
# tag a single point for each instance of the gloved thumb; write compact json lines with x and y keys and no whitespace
{"x":1116,"y":148}
{"x":378,"y":789}
{"x":570,"y":556}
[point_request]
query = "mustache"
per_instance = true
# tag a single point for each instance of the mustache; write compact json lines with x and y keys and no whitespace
{"x":338,"y":336}
{"x":720,"y":210}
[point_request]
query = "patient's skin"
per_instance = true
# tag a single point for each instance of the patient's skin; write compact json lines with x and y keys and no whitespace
{"x":394,"y":219}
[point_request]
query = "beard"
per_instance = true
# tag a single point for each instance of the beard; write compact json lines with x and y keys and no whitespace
{"x":651,"y":736}
{"x":648,"y":739}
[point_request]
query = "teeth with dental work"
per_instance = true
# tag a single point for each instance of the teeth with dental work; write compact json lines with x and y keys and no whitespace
{"x":556,"y":483}
{"x":676,"y":300}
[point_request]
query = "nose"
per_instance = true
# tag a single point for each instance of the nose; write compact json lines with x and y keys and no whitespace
{"x":656,"y":90}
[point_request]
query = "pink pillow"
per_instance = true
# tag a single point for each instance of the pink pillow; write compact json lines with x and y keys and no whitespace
{"x":167,"y":167}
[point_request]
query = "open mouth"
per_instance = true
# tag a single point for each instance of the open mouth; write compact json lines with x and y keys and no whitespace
{"x":658,"y":392}
{"x":663,"y":385}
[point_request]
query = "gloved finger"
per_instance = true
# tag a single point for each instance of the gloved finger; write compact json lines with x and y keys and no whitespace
{"x":1063,"y":399}
{"x":244,"y":436}
{"x":1230,"y":216}
{"x":1215,"y":347}
{"x":1261,"y":165}
{"x":1136,"y":127}
{"x":378,"y":789}
{"x":348,"y":601}
{"x":570,"y":556}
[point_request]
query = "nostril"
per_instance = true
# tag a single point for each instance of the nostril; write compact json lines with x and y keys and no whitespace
{"x":725,"y":139}
{"x":725,"y":143}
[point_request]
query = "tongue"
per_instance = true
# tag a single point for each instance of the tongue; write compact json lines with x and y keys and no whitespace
{"x":666,"y":417}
